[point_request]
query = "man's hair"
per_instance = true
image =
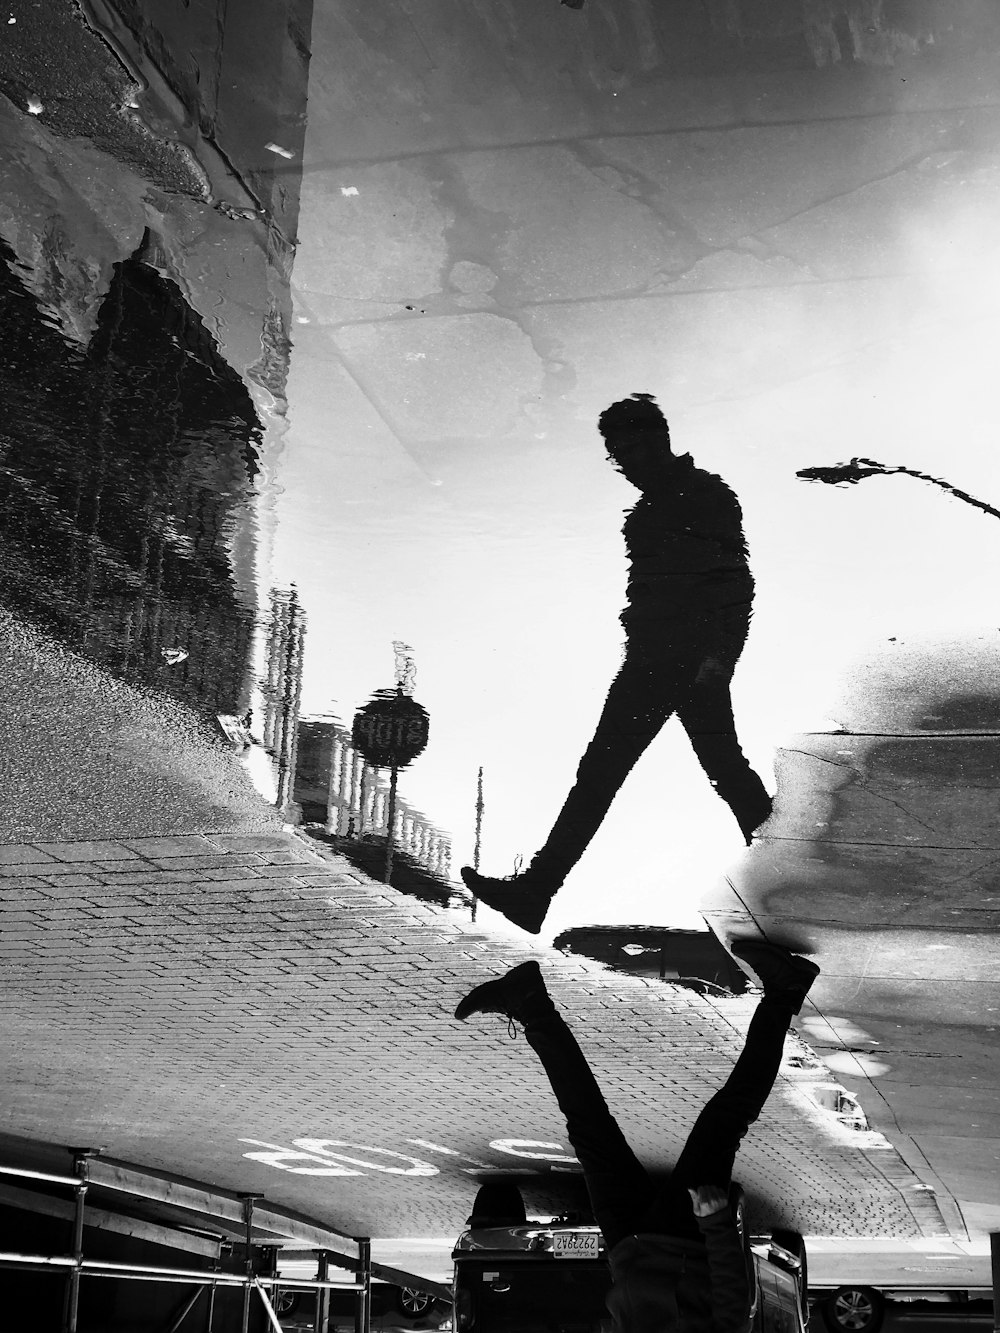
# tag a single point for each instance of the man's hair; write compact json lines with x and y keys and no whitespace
{"x":640,"y":411}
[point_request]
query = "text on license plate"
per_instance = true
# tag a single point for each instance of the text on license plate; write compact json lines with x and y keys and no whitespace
{"x":575,"y":1244}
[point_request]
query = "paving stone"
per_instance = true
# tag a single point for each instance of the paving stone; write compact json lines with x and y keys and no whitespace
{"x":21,"y":854}
{"x":257,"y":842}
{"x":192,"y":844}
{"x":86,"y":851}
{"x":211,"y":861}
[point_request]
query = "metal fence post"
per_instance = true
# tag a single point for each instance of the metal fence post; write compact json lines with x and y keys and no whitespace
{"x":81,"y":1168}
{"x":321,"y":1322}
{"x":248,"y":1202}
{"x":210,"y":1314}
{"x":363,"y":1309}
{"x":995,"y":1270}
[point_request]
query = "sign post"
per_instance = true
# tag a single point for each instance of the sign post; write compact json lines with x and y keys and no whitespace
{"x":390,"y":732}
{"x":390,"y":822}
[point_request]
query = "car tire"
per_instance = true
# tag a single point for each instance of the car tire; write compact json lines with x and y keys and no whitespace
{"x":286,"y":1302}
{"x":854,"y":1310}
{"x":413,"y":1302}
{"x":498,"y":1204}
{"x":793,"y":1242}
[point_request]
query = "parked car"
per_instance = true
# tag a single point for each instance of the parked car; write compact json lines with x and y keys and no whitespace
{"x":394,"y":1310}
{"x":516,"y":1276}
{"x":860,"y":1309}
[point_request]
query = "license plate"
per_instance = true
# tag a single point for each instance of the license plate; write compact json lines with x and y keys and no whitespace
{"x":575,"y":1244}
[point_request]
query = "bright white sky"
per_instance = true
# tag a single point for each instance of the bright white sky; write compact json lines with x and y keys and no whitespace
{"x":504,"y":568}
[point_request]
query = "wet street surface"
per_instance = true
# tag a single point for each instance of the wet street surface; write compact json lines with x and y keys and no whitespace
{"x":483,"y":482}
{"x":232,"y":1008}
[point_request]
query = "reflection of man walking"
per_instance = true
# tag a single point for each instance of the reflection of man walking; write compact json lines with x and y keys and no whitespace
{"x":690,"y":594}
{"x":675,"y":1254}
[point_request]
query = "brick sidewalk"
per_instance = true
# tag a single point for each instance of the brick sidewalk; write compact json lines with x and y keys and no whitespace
{"x":171,"y":998}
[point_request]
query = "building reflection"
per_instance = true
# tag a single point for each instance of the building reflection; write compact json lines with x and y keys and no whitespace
{"x":125,"y":484}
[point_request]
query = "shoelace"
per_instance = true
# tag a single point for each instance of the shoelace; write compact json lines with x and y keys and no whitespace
{"x":511,"y":1027}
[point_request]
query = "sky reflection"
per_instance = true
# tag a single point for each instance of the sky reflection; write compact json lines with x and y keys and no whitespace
{"x":437,"y":487}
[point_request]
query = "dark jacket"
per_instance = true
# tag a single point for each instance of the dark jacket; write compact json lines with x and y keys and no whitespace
{"x":663,"y":1283}
{"x":686,"y":548}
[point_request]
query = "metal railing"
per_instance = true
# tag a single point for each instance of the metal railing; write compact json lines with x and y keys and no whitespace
{"x":358,"y":804}
{"x":76,"y":1266}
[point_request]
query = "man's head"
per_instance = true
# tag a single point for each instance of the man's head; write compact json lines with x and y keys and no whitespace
{"x":637,"y":438}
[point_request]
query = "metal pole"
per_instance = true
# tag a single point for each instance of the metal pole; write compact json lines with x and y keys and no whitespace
{"x":346,"y":757}
{"x":321,"y":1322}
{"x":81,"y":1165}
{"x":362,"y":800}
{"x":357,"y":763}
{"x":363,"y":1307}
{"x":336,"y":767}
{"x":39,"y":1175}
{"x":995,"y":1270}
{"x":188,"y":1307}
{"x":272,"y":1318}
{"x":390,"y":834}
{"x":366,"y":1277}
{"x":142,"y":1273}
{"x":248,"y":1203}
{"x":479,"y":821}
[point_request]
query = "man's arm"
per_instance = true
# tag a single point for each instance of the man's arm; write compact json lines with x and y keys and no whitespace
{"x":727,"y":1263}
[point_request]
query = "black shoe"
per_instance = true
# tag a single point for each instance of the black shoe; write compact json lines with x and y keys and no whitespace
{"x":781,"y":972}
{"x":512,"y":994}
{"x":523,"y":899}
{"x":752,"y":820}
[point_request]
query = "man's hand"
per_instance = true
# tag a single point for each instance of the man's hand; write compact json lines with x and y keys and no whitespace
{"x":708,"y":1199}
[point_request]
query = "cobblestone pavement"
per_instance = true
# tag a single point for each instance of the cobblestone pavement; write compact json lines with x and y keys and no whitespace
{"x":237,"y":1009}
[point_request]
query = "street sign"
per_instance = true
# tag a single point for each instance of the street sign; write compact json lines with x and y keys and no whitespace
{"x":391,"y":730}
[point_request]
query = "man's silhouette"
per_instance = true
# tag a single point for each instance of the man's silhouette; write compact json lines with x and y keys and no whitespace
{"x":676,"y":1258}
{"x":690,"y":593}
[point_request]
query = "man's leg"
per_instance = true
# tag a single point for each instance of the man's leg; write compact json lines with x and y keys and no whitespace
{"x":706,"y":713}
{"x":711,"y":1147}
{"x":640,"y":700}
{"x":618,"y":1186}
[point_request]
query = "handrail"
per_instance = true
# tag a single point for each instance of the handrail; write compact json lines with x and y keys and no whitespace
{"x":39,"y":1175}
{"x":153,"y":1272}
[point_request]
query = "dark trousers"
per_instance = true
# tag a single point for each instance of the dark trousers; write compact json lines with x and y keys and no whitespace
{"x":623,"y":1197}
{"x":686,"y":670}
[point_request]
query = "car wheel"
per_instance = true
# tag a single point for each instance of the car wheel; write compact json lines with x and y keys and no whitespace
{"x":414,"y":1303}
{"x":854,"y":1310}
{"x":498,"y":1205}
{"x":286,"y":1302}
{"x":791,"y":1242}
